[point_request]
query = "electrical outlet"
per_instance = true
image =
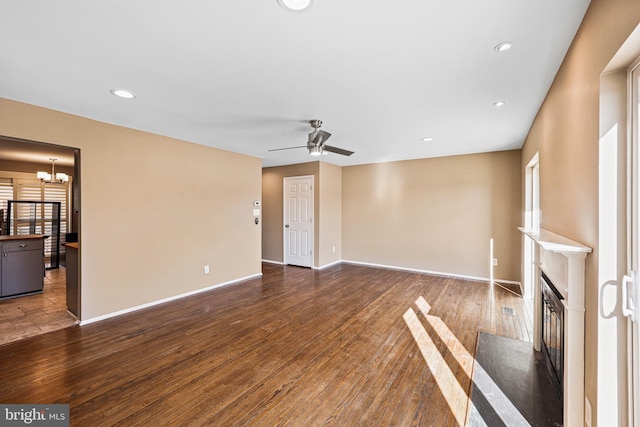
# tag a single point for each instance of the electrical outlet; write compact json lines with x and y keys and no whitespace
{"x":206,"y":269}
{"x":334,"y":249}
{"x":495,"y":261}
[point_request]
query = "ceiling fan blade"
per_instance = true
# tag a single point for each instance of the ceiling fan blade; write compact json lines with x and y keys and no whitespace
{"x":337,"y":150}
{"x":318,"y":137}
{"x":322,"y":137}
{"x":287,"y":148}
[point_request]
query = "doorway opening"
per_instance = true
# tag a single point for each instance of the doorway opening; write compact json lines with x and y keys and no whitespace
{"x":531,"y":221}
{"x":20,"y":161}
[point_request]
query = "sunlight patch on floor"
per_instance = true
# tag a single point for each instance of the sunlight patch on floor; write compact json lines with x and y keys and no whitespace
{"x":457,"y":398}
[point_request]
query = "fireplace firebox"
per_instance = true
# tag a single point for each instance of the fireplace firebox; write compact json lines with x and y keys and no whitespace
{"x":553,"y":329}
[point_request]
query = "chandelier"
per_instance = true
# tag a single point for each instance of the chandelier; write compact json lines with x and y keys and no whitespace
{"x":53,"y":177}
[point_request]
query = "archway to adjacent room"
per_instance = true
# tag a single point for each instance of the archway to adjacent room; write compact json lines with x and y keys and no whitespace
{"x":58,"y":305}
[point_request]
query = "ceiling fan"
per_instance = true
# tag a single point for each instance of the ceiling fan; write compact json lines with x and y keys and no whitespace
{"x":316,"y":143}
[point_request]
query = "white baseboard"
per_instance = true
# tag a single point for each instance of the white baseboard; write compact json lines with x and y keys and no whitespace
{"x":231,"y":282}
{"x":438,"y":273}
{"x":162,"y":301}
{"x":331,"y":264}
{"x":268,"y":261}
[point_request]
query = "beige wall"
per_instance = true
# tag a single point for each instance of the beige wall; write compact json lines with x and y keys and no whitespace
{"x":330,"y":214}
{"x":565,"y":133}
{"x":154,"y":210}
{"x":435,"y":214}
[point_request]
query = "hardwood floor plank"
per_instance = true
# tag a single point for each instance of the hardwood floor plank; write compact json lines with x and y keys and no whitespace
{"x":295,"y":347}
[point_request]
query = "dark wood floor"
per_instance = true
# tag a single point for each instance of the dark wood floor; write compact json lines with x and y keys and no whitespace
{"x":296,"y":347}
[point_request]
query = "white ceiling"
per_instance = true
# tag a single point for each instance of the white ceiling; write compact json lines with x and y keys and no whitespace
{"x":247,"y":76}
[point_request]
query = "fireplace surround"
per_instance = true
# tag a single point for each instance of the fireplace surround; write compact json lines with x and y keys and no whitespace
{"x":563,"y":262}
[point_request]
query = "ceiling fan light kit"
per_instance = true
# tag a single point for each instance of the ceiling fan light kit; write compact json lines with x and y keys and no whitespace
{"x":315,"y":151}
{"x":295,"y":5}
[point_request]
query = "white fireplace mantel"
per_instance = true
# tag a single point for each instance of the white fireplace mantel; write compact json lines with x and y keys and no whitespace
{"x":555,"y":242}
{"x":572,"y":279}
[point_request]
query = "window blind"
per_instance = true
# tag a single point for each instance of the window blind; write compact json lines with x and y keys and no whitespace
{"x":6,"y":193}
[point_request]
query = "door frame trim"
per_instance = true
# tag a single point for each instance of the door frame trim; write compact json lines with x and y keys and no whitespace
{"x":531,"y":220}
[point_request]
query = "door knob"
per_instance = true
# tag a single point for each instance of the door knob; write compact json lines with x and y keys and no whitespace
{"x":286,"y":226}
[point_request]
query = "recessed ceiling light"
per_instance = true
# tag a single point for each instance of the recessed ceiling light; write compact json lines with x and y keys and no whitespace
{"x":295,"y":5}
{"x":499,"y":103}
{"x":428,"y":139}
{"x":501,"y":47}
{"x":123,"y":93}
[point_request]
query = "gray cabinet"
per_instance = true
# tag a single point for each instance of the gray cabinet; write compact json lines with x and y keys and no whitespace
{"x":21,"y":265}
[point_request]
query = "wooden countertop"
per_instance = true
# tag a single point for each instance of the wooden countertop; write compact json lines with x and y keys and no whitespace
{"x":73,"y":245}
{"x":24,"y":237}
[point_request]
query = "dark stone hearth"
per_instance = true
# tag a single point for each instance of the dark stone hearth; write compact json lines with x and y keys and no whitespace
{"x":512,"y":385}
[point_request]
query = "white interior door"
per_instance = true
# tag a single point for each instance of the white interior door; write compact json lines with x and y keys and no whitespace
{"x":298,"y":221}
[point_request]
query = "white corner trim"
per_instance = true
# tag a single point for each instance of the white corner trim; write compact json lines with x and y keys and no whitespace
{"x":437,"y":273}
{"x":162,"y":301}
{"x":331,"y":264}
{"x":268,"y":261}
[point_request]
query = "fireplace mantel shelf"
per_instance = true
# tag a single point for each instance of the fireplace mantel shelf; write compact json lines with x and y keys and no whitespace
{"x":554,"y":242}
